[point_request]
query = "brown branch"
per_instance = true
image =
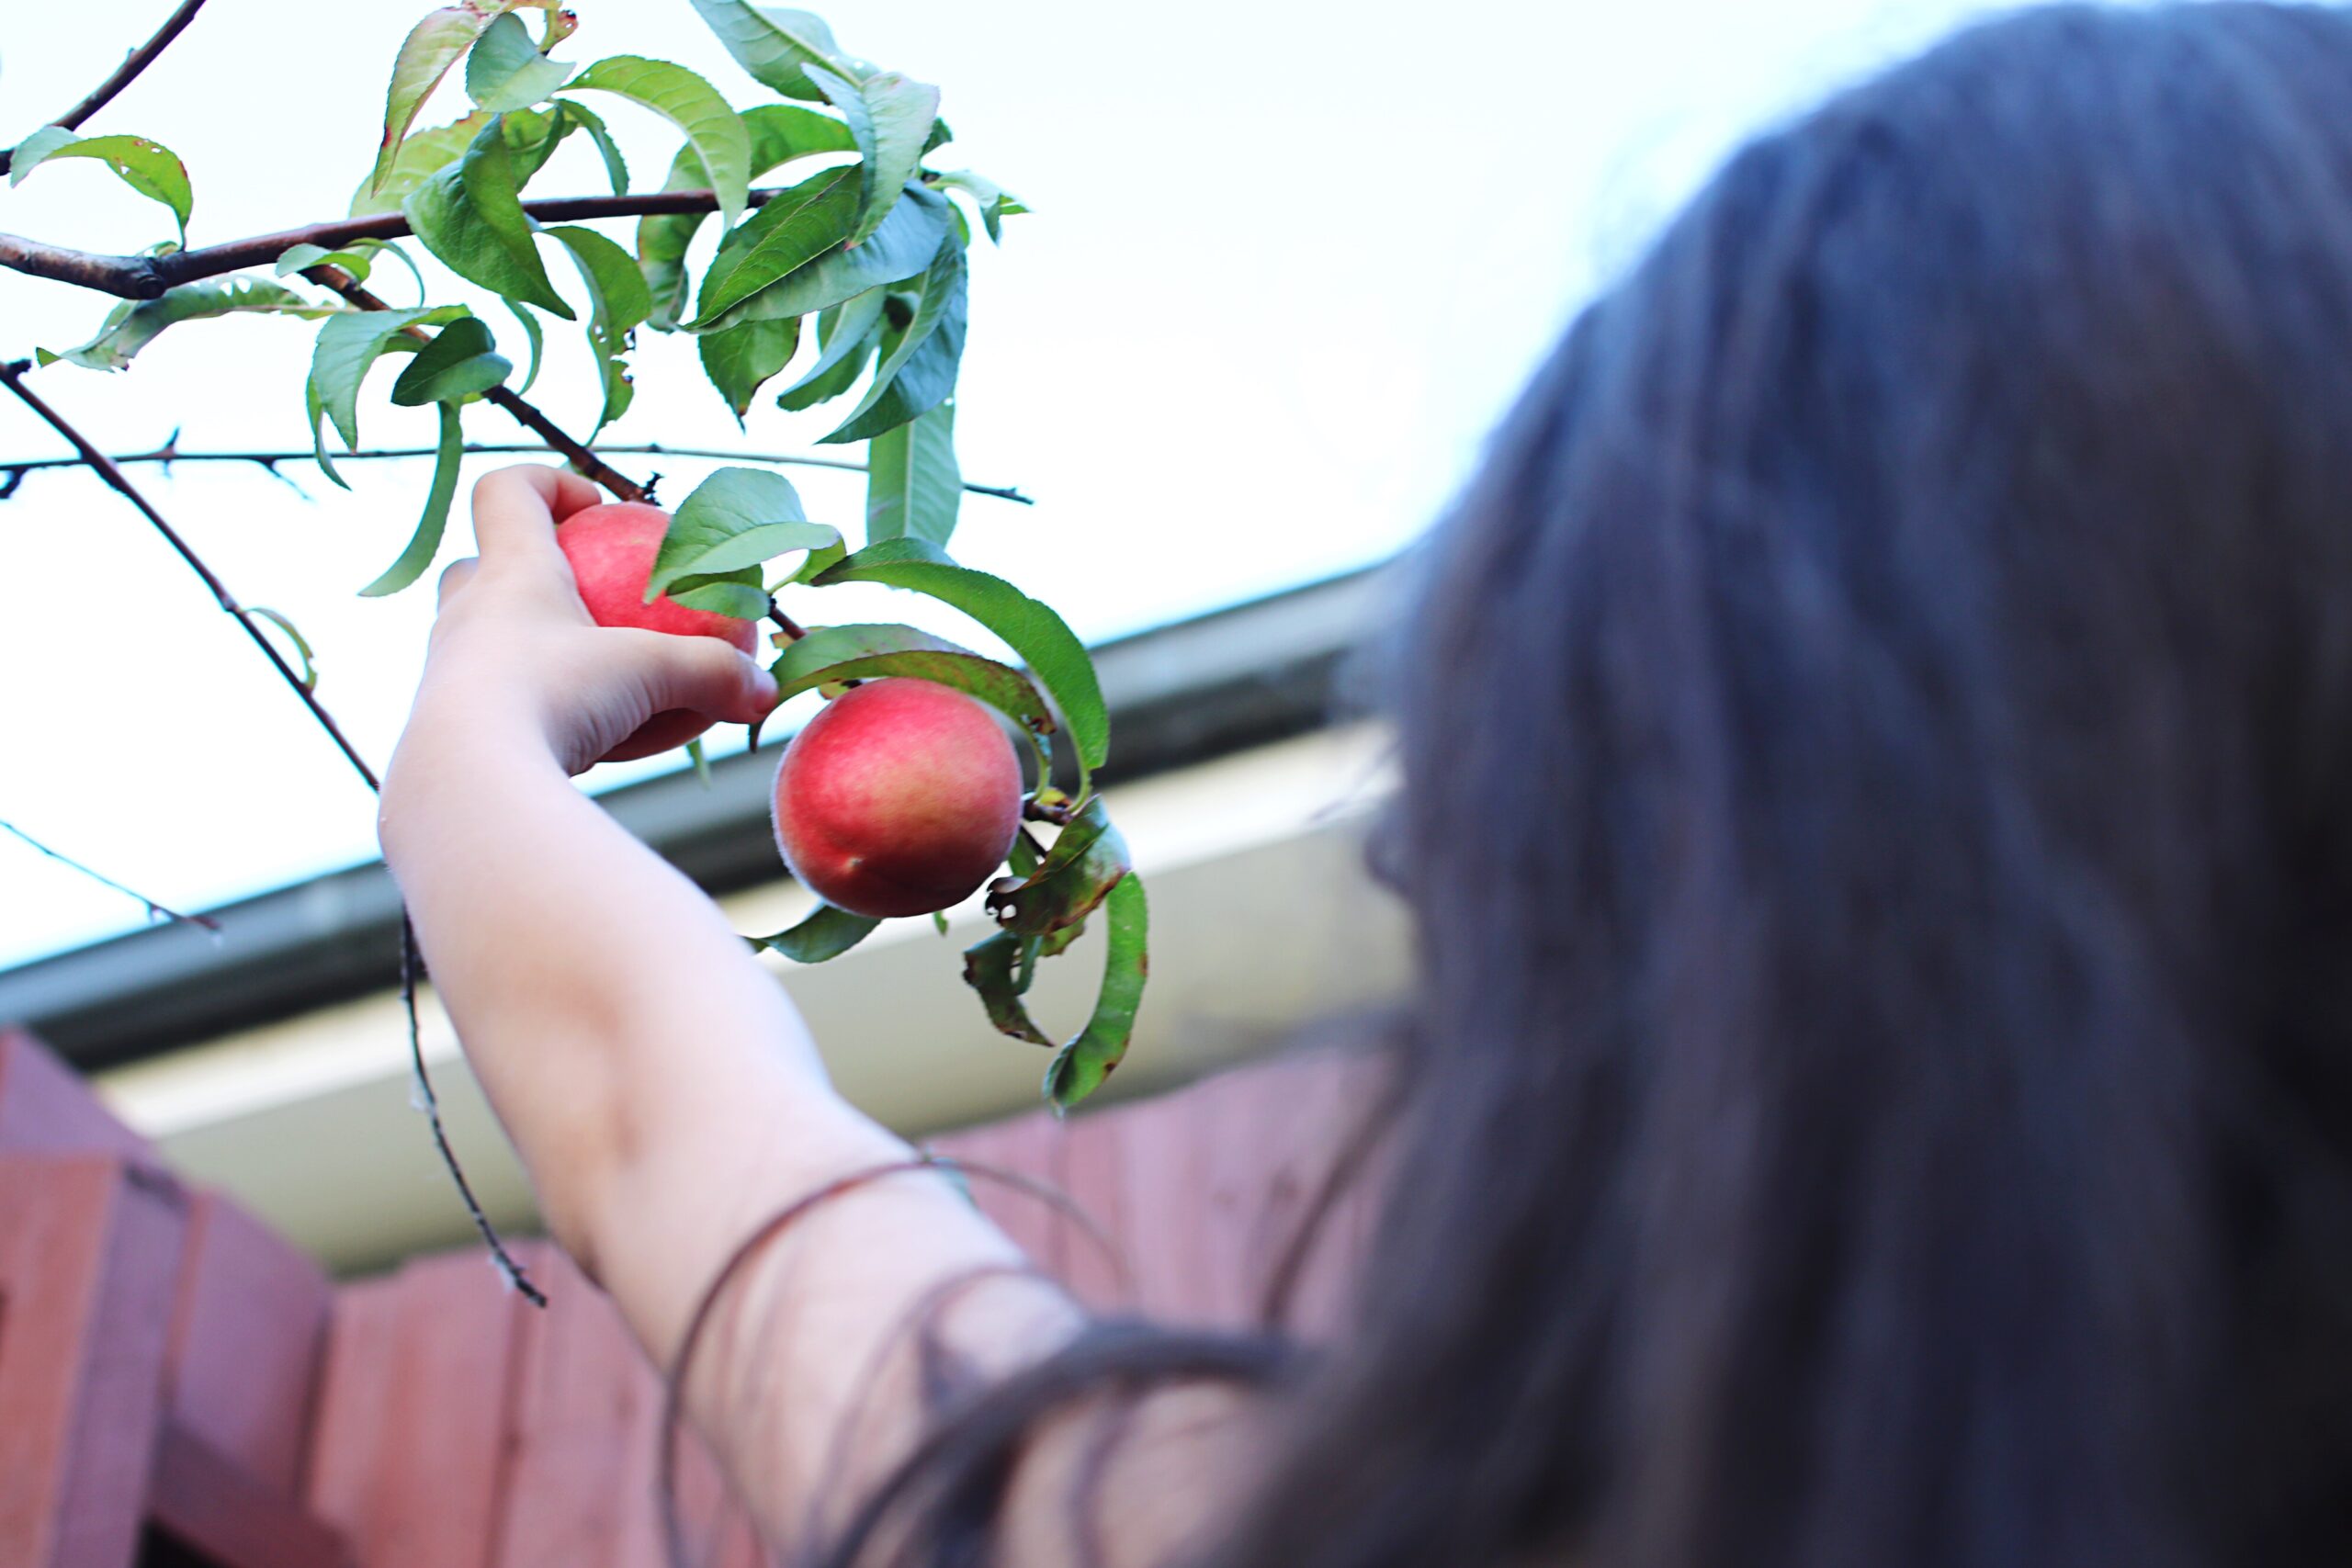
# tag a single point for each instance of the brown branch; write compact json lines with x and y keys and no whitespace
{"x":525,"y":414}
{"x":169,"y":452}
{"x":144,"y":277}
{"x":13,"y":377}
{"x":138,"y":59}
{"x":154,"y":908}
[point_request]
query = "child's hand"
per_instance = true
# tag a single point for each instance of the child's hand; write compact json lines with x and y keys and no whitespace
{"x":515,"y":656}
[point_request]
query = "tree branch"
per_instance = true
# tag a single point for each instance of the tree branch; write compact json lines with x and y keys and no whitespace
{"x":138,"y":59}
{"x":154,"y":908}
{"x":169,"y":452}
{"x":12,"y":376}
{"x":144,"y":277}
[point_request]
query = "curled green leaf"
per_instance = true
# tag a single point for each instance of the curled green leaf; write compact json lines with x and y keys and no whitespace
{"x":890,"y":115}
{"x":350,"y":343}
{"x":151,"y":169}
{"x":426,"y":542}
{"x":692,"y":104}
{"x":131,"y":327}
{"x":310,"y":676}
{"x":918,"y":371}
{"x":425,"y":55}
{"x":460,"y":362}
{"x":826,"y":932}
{"x":470,"y":216}
{"x":776,"y":46}
{"x":830,"y":655}
{"x":1082,"y":1066}
{"x":1087,"y":861}
{"x":735,"y":518}
{"x":505,"y":70}
{"x":1000,"y":968}
{"x":741,"y":360}
{"x":618,"y":303}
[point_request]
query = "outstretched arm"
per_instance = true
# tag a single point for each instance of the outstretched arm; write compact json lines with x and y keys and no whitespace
{"x":659,"y":1086}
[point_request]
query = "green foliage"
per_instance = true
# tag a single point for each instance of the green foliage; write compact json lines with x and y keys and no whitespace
{"x":776,"y":46}
{"x":846,"y":334}
{"x":918,"y":369}
{"x":470,"y":216}
{"x":352,"y":342}
{"x":131,"y":327}
{"x":310,"y":676}
{"x":691,"y":104}
{"x":826,"y":932}
{"x":1082,"y":1064}
{"x":792,"y":230}
{"x":1054,"y":656}
{"x":830,"y":655}
{"x":151,"y":169}
{"x":461,"y":362}
{"x":890,"y":115}
{"x":913,"y":488}
{"x":618,"y":301}
{"x":1087,"y":861}
{"x":736,"y":518}
{"x":740,"y":360}
{"x":900,"y":249}
{"x":780,"y":133}
{"x":507,"y":71}
{"x":426,"y":542}
{"x":432,"y":47}
{"x":995,"y":203}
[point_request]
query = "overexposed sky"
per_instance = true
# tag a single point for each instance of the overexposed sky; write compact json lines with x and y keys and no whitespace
{"x":1289,"y":262}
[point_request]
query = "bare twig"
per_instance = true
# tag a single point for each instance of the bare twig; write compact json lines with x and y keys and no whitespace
{"x":154,"y":908}
{"x":169,"y":452}
{"x":144,"y":277}
{"x":12,"y":376}
{"x":138,"y":59}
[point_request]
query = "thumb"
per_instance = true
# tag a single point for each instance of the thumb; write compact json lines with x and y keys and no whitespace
{"x":711,"y":678}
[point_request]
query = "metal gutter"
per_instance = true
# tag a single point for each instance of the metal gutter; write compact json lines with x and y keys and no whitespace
{"x":1179,"y":694}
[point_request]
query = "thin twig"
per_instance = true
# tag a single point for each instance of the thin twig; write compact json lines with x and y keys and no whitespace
{"x":12,"y":376}
{"x":171,"y":453}
{"x":154,"y":908}
{"x":138,"y":59}
{"x":144,"y":277}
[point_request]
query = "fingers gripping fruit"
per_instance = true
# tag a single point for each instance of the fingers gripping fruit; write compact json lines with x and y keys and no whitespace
{"x":611,"y":549}
{"x":899,"y":797}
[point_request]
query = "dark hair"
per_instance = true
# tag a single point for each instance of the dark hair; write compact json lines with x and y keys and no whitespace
{"x":1875,"y":807}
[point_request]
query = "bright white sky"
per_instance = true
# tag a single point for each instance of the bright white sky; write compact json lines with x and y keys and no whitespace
{"x":1284,"y":272}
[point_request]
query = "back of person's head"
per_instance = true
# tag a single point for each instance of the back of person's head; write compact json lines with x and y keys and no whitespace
{"x":1878,"y":809}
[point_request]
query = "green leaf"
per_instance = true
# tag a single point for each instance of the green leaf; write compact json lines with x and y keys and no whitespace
{"x":692,"y":104}
{"x":780,"y":133}
{"x":827,"y":932}
{"x":310,"y":677}
{"x":589,"y":120}
{"x":130,"y":328}
{"x":702,"y":763}
{"x":419,"y":158}
{"x":351,"y":342}
{"x":507,"y":71}
{"x":919,"y":371}
{"x":1086,"y":862}
{"x":890,"y":114}
{"x":460,"y":362}
{"x":470,"y":216}
{"x":996,"y":203}
{"x":538,"y":344}
{"x":737,"y":517}
{"x":151,"y":169}
{"x":432,"y":47}
{"x":741,"y":359}
{"x":832,"y":654}
{"x":901,"y":248}
{"x":618,"y":301}
{"x":358,"y":263}
{"x":847,"y":333}
{"x":793,"y":229}
{"x":913,"y":487}
{"x":426,"y":542}
{"x":315,"y":412}
{"x":775,"y":46}
{"x":1054,"y":656}
{"x":1000,"y":968}
{"x":1082,"y":1064}
{"x":738,"y":595}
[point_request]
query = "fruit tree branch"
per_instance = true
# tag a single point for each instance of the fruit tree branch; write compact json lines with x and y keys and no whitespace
{"x":169,"y":452}
{"x":13,"y":376}
{"x":154,"y":908}
{"x":144,"y":277}
{"x":138,"y":59}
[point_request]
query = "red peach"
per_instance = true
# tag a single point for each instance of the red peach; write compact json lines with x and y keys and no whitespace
{"x":611,"y":549}
{"x":901,"y":797}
